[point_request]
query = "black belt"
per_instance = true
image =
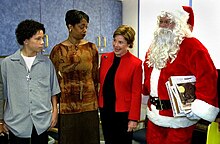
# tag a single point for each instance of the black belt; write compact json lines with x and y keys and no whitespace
{"x":160,"y":104}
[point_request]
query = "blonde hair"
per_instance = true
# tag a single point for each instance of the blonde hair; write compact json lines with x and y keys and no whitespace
{"x":127,"y":32}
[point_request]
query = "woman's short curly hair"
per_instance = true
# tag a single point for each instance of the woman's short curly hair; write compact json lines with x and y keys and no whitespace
{"x":127,"y":32}
{"x":26,"y":29}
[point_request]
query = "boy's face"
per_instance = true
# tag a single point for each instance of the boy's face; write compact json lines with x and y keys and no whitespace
{"x":36,"y":43}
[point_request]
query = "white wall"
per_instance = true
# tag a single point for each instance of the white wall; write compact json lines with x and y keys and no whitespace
{"x":130,"y":17}
{"x":206,"y":28}
{"x":149,"y":9}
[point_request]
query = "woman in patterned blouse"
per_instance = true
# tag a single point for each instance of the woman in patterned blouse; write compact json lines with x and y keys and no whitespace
{"x":76,"y":63}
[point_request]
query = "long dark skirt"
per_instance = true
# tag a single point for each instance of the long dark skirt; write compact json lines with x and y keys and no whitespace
{"x":80,"y":128}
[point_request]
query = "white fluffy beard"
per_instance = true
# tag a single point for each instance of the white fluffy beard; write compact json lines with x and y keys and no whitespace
{"x":164,"y":47}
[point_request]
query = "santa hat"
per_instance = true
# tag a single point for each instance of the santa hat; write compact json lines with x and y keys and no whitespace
{"x":177,"y":13}
{"x":189,"y":10}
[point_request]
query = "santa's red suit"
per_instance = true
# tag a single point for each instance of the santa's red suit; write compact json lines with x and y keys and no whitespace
{"x":187,"y":57}
{"x":192,"y":59}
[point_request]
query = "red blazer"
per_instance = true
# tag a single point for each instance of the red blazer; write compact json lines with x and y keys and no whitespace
{"x":128,"y":81}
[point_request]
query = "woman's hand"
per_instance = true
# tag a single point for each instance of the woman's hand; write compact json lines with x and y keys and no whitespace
{"x":3,"y":129}
{"x":131,"y":125}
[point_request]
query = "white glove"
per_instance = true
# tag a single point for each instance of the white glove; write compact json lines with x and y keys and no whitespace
{"x":192,"y":116}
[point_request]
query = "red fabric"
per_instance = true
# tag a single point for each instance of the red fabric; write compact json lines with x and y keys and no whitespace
{"x":192,"y":59}
{"x":161,"y":135}
{"x":128,"y":83}
{"x":191,"y":14}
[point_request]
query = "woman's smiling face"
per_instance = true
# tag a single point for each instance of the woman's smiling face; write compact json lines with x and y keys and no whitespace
{"x":120,"y":45}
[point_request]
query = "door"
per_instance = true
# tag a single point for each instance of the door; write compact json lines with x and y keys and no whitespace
{"x":12,"y":12}
{"x":53,"y":17}
{"x":105,"y":17}
{"x":92,"y":9}
{"x":111,"y":18}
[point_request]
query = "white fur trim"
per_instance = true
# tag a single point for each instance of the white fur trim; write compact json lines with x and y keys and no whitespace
{"x":165,"y":121}
{"x":145,"y":99}
{"x":204,"y":110}
{"x":155,"y":74}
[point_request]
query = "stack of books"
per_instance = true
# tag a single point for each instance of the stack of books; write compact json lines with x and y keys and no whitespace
{"x":181,"y":91}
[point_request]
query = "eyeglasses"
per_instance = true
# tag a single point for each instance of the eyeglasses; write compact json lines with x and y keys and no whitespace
{"x":166,"y":22}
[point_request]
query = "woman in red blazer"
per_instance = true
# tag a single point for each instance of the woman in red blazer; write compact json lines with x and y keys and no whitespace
{"x":120,"y":88}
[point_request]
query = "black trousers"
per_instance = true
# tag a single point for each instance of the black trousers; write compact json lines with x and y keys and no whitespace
{"x":35,"y":138}
{"x":4,"y":139}
{"x":114,"y":126}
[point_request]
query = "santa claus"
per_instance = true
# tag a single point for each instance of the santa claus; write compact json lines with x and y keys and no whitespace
{"x":175,"y":52}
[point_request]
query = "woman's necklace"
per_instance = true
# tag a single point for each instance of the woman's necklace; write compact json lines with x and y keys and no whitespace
{"x":74,"y":47}
{"x":74,"y":44}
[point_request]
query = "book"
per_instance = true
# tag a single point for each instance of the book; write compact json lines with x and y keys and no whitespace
{"x":181,"y":91}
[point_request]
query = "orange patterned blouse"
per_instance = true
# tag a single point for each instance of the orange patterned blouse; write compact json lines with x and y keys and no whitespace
{"x":77,"y":71}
